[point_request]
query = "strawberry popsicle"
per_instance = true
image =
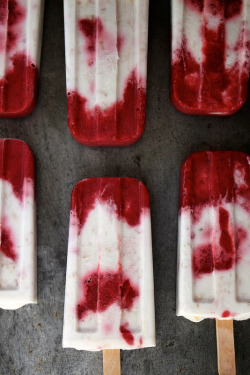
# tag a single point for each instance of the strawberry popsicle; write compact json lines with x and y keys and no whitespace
{"x":20,"y":46}
{"x":214,"y":245}
{"x":210,"y":55}
{"x":106,"y":63}
{"x":109,"y":301}
{"x":17,"y":218}
{"x":214,"y":236}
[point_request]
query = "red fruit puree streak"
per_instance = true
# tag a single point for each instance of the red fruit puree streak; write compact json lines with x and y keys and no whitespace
{"x":207,"y":179}
{"x":90,"y":28}
{"x":205,"y":260}
{"x":210,"y":88}
{"x":16,"y":163}
{"x":7,"y":243}
{"x":101,"y":290}
{"x":18,"y":88}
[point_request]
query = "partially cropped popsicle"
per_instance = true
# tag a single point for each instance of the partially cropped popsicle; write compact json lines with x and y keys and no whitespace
{"x":210,"y":55}
{"x":214,"y":244}
{"x":109,"y":302}
{"x":17,"y":225}
{"x":106,"y":64}
{"x":214,"y":236}
{"x":20,"y":46}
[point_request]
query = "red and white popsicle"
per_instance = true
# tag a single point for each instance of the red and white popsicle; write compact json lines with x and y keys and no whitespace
{"x":214,"y":242}
{"x":106,"y":66}
{"x":20,"y":46}
{"x":109,"y":299}
{"x":17,"y":225}
{"x":210,"y":55}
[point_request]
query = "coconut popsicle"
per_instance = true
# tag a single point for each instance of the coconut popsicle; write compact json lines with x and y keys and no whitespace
{"x":214,"y":239}
{"x":20,"y":47}
{"x":109,"y":299}
{"x":17,"y":229}
{"x":210,"y":56}
{"x":106,"y":64}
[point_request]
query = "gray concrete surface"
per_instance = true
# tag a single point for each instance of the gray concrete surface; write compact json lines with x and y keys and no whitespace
{"x":30,"y":338}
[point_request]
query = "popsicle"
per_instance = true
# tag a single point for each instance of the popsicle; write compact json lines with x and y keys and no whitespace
{"x":210,"y":55}
{"x":106,"y":63}
{"x":109,"y":301}
{"x":214,"y":238}
{"x":17,"y":225}
{"x":20,"y":46}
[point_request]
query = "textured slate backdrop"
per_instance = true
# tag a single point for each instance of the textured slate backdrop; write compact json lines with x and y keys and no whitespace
{"x":30,"y":338}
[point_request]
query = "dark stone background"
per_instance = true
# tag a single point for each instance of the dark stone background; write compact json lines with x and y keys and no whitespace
{"x":30,"y":338}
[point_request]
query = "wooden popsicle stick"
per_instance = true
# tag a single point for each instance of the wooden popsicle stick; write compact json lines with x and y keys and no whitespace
{"x":111,"y":362}
{"x":225,"y":347}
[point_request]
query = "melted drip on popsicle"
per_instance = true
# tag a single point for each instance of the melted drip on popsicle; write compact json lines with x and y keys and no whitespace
{"x":121,"y":123}
{"x":210,"y":87}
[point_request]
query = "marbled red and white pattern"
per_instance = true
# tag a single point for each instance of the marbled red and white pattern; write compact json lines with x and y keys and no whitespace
{"x":20,"y":45}
{"x":210,"y":55}
{"x":17,"y":225}
{"x":106,"y":63}
{"x":214,"y":236}
{"x":109,"y":287}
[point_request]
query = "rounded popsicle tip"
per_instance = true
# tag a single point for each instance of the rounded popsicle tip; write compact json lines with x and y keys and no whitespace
{"x":107,"y":143}
{"x":196,"y":111}
{"x":23,"y":111}
{"x":15,"y":150}
{"x":127,"y":196}
{"x":19,"y":88}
